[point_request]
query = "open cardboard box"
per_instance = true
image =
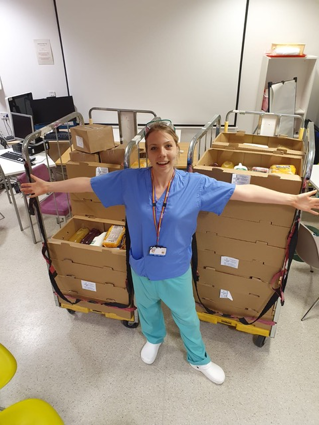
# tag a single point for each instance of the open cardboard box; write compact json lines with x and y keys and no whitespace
{"x":252,"y":142}
{"x":218,"y":155}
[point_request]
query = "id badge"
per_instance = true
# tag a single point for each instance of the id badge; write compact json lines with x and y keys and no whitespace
{"x":157,"y":251}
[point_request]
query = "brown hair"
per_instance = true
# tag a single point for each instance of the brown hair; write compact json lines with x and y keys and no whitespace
{"x":160,"y":126}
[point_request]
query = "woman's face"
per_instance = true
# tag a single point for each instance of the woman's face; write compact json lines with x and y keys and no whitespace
{"x":161,"y":151}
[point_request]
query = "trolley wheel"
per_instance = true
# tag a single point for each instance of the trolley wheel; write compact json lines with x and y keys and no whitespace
{"x":259,"y":340}
{"x":128,"y":324}
{"x":70,"y":311}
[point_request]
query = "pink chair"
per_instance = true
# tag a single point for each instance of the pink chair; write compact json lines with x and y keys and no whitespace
{"x":54,"y":204}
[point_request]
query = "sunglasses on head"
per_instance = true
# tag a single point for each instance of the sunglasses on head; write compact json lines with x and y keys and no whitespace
{"x":150,"y":124}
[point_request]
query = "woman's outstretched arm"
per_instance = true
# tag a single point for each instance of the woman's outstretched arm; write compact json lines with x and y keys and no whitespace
{"x":252,"y":193}
{"x":39,"y":187}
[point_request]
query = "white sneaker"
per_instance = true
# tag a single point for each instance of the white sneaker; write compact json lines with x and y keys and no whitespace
{"x":149,"y":352}
{"x":212,"y":371}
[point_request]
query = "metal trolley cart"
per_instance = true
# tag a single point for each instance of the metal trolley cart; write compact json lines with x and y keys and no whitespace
{"x":232,"y":289}
{"x":69,"y":269}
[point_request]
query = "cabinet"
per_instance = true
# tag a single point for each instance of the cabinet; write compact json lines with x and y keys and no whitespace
{"x":275,"y":69}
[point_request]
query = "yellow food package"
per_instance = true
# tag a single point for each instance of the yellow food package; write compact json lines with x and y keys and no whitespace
{"x":283,"y":169}
{"x":79,"y":234}
{"x":227,"y":164}
{"x":113,"y":237}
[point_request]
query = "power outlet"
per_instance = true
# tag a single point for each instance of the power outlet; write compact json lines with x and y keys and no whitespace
{"x":52,"y":93}
{"x":4,"y":115}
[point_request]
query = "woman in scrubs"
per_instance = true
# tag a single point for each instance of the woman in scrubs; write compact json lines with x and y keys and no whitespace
{"x":162,"y":204}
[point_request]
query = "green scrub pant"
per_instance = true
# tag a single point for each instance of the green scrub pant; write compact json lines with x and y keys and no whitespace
{"x":177,"y":294}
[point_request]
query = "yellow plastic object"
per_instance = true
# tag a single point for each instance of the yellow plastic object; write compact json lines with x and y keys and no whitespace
{"x":8,"y":366}
{"x":30,"y":412}
{"x":79,"y":234}
{"x":301,"y":132}
{"x":227,"y":164}
{"x":226,"y":127}
{"x":113,"y":237}
{"x":211,"y":318}
{"x":283,"y":169}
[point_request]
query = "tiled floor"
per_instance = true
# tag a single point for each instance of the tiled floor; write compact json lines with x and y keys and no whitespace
{"x":88,"y":367}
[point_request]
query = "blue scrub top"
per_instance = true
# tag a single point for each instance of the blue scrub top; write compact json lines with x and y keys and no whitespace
{"x":189,"y":194}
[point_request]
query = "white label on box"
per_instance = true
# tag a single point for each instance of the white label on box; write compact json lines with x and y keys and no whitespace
{"x":225,"y":294}
{"x":101,"y":170}
{"x":230,"y":262}
{"x":240,"y":179}
{"x":79,"y":141}
{"x":89,"y":286}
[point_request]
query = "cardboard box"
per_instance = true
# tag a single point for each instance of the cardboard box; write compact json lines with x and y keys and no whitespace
{"x":88,"y":169}
{"x":281,"y":182}
{"x":114,"y":155}
{"x":252,"y":142}
{"x":88,"y":204}
{"x":242,"y":296}
{"x":236,"y":266}
{"x":79,"y":156}
{"x":61,"y":248}
{"x":244,"y":230}
{"x":278,"y":215}
{"x":95,"y":307}
{"x":244,"y":250}
{"x":92,"y":207}
{"x":92,"y":138}
{"x":67,"y":267}
{"x":107,"y":292}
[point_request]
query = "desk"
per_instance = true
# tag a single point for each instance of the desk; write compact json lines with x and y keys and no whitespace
{"x":12,"y":168}
{"x":314,"y":179}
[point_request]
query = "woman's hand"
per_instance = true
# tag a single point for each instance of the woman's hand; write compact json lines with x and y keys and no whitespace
{"x":37,"y":188}
{"x":307,"y":202}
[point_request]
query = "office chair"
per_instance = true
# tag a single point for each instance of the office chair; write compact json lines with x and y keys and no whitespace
{"x":308,"y":250}
{"x":54,"y":204}
{"x":27,"y":412}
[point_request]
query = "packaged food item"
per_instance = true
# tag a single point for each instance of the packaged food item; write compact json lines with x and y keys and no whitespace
{"x":98,"y":240}
{"x":261,"y":169}
{"x":90,"y":236}
{"x":240,"y":166}
{"x":114,"y":236}
{"x":227,"y":164}
{"x":283,"y":169}
{"x":79,"y":234}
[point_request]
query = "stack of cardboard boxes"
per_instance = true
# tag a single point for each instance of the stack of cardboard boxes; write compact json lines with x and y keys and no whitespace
{"x":240,"y":251}
{"x":96,"y":275}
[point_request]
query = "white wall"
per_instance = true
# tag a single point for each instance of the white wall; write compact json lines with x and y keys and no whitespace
{"x":23,"y":21}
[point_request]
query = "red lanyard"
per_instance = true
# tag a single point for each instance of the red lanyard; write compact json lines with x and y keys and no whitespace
{"x":159,"y":224}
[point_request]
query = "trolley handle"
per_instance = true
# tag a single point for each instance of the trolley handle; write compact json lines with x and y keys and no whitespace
{"x":216,"y":121}
{"x":262,"y":114}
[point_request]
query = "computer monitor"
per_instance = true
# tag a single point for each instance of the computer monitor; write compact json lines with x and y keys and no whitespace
{"x":20,"y":104}
{"x":22,"y":125}
{"x":45,"y":111}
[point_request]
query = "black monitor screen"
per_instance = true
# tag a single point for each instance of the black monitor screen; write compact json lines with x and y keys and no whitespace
{"x":21,"y":103}
{"x":50,"y":109}
{"x":22,"y":125}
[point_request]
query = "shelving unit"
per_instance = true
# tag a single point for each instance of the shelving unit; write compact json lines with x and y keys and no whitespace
{"x":275,"y":69}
